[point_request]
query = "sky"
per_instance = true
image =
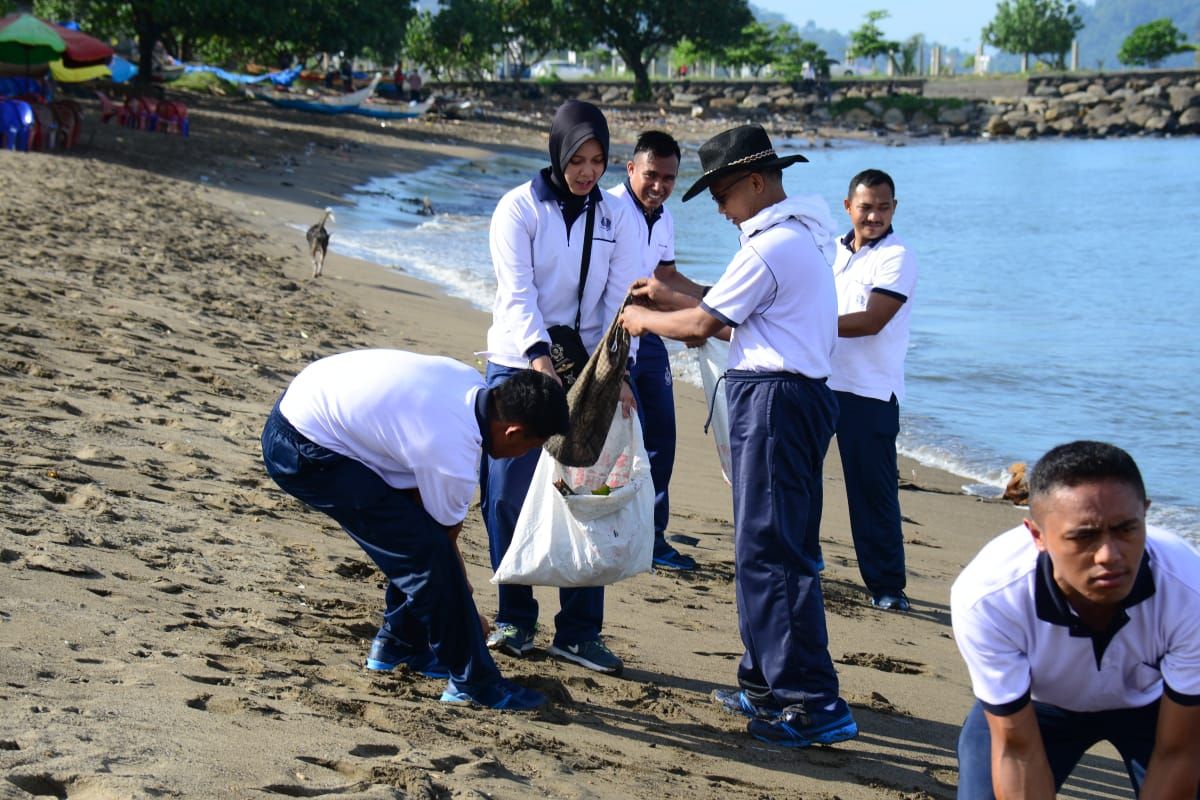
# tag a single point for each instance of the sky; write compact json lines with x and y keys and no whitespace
{"x":954,"y":23}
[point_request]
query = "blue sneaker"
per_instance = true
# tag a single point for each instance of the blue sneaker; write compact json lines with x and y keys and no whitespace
{"x":795,"y":727}
{"x":387,"y":653}
{"x":594,"y":655}
{"x":892,"y":602}
{"x":673,"y":560}
{"x":503,"y":695}
{"x":736,"y":701}
{"x":511,"y":639}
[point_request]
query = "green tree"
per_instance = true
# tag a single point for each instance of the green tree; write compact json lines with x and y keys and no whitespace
{"x":688,"y":52}
{"x":1040,"y":28}
{"x":460,"y":40}
{"x":793,"y":52}
{"x":867,"y":40}
{"x":910,"y":54}
{"x":1149,"y":44}
{"x":638,"y":29}
{"x":755,"y":48}
{"x":533,"y":28}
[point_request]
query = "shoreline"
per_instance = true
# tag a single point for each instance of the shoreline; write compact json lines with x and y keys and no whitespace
{"x":173,"y":624}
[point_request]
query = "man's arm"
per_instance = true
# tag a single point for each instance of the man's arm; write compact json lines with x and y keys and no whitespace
{"x":677,"y":281}
{"x":1020,"y":770}
{"x":688,"y":324}
{"x":880,"y":309}
{"x":1174,"y":770}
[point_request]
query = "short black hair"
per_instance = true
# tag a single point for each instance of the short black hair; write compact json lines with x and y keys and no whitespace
{"x":1081,"y":462}
{"x":662,"y":145}
{"x":534,"y":400}
{"x":870,"y":178}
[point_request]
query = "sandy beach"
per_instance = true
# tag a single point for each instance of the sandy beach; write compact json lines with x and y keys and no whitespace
{"x":173,"y":625}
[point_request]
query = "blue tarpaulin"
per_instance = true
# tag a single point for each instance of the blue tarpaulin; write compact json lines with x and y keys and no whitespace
{"x":284,"y":78}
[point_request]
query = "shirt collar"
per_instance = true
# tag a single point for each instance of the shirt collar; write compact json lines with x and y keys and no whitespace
{"x":848,"y":239}
{"x":1053,"y":607}
{"x":481,"y":416}
{"x":651,"y":217}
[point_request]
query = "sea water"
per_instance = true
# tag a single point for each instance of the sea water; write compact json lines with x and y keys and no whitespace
{"x":1056,"y":282}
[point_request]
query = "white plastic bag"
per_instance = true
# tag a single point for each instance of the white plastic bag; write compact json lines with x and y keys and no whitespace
{"x":713,"y":357}
{"x":586,"y":539}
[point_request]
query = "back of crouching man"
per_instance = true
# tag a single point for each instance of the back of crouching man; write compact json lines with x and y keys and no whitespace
{"x":388,"y":444}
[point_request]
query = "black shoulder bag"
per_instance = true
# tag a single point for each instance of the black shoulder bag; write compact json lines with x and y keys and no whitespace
{"x":567,"y":352}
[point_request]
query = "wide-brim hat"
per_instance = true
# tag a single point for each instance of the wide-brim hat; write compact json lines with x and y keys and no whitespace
{"x":744,"y":148}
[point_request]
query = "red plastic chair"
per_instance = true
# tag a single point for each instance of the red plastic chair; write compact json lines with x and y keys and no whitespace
{"x":173,"y":114}
{"x":109,"y":109}
{"x":142,"y":112}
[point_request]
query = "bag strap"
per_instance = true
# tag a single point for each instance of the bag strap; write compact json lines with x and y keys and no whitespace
{"x":586,"y":261}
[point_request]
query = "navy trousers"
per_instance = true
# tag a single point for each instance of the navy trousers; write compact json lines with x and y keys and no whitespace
{"x":1067,"y":735}
{"x":503,"y":484}
{"x":780,"y":427}
{"x":428,"y":599}
{"x":656,"y":411}
{"x":866,"y":437}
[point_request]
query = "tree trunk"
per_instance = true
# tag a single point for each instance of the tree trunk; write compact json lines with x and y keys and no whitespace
{"x":641,"y":77}
{"x":147,"y":30}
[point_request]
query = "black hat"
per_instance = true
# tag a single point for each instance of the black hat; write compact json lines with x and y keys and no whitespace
{"x":746,"y":147}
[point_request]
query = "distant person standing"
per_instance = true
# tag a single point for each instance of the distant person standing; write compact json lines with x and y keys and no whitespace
{"x":398,"y":80}
{"x":414,"y":85}
{"x":347,"y":70}
{"x":650,"y":179}
{"x":876,"y":275}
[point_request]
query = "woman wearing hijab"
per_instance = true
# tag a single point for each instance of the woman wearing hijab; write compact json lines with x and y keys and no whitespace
{"x":538,"y":238}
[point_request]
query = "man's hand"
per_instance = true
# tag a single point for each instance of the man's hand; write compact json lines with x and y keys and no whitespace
{"x":657,"y":294}
{"x":544,"y":365}
{"x":633,"y":319}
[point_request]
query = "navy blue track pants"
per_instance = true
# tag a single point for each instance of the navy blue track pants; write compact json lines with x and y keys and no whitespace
{"x":656,"y":411}
{"x":780,"y":428}
{"x":866,"y":437}
{"x":428,"y":600}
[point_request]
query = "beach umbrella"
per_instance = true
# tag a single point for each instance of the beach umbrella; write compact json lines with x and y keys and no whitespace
{"x":26,"y":40}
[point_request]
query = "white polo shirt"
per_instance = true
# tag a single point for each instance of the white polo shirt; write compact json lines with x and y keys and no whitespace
{"x":873,"y":366}
{"x":1022,"y":640}
{"x":778,"y":293}
{"x":411,"y":418}
{"x":658,"y":239}
{"x":537,"y":270}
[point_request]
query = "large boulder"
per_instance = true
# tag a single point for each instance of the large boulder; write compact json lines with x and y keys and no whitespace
{"x":1067,"y":126}
{"x":1084,"y":98}
{"x":1061,"y":110}
{"x":756,"y":101}
{"x":954,"y":116}
{"x":1026,"y":132}
{"x":874,"y":106}
{"x":1140,"y":115}
{"x":997,"y":125}
{"x":1189,"y":120}
{"x":685,"y":99}
{"x":613,"y":94}
{"x":1159,"y":123}
{"x":1096,"y":89}
{"x":857,"y":118}
{"x":1046,"y":90}
{"x":894,"y":119}
{"x":779,"y":92}
{"x":920,"y":121}
{"x":1182,"y":98}
{"x":1070,"y":87}
{"x":723,"y":103}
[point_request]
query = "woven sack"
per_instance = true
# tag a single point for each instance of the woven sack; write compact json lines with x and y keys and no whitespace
{"x":592,"y":400}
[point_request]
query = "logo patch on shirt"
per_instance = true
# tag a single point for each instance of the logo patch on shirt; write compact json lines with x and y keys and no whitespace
{"x":606,"y":224}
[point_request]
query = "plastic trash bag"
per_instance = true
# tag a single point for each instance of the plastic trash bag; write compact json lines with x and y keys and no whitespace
{"x":713,"y":358}
{"x":586,"y":526}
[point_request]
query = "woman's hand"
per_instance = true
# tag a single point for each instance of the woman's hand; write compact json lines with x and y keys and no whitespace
{"x":628,"y":403}
{"x":544,"y":365}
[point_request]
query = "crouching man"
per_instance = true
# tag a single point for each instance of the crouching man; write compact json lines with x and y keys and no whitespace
{"x":388,"y":444}
{"x":1081,"y":626}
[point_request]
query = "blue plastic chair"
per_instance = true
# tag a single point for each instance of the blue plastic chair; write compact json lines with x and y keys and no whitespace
{"x":16,"y":124}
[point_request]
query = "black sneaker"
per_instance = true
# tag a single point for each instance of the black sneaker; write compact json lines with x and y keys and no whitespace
{"x":387,"y":654}
{"x":795,"y":727}
{"x":889,"y":601}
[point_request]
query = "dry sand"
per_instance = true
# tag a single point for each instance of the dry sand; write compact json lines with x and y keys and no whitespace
{"x":173,"y":625}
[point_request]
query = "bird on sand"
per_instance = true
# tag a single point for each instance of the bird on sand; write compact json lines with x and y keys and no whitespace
{"x":318,"y":242}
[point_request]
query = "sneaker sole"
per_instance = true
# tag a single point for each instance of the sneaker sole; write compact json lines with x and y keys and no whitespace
{"x":743,"y":711}
{"x":583,"y":662}
{"x":671,"y":567}
{"x":381,"y":666}
{"x":466,"y":700}
{"x":515,"y":652}
{"x":842,"y":733}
